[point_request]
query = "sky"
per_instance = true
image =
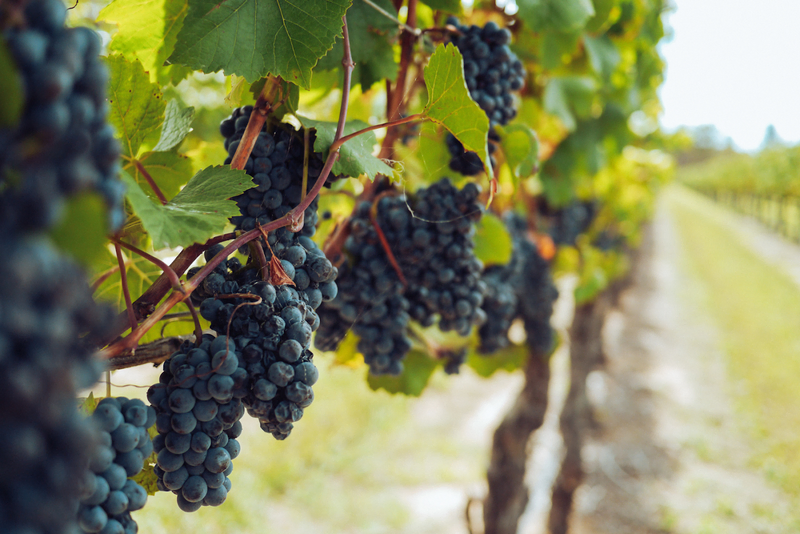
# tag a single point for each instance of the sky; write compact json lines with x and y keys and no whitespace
{"x":734,"y":64}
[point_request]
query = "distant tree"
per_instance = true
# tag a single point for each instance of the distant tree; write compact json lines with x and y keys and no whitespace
{"x":771,"y":138}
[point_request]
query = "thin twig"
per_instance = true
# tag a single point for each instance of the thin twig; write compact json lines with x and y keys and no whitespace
{"x":347,"y":66}
{"x":373,"y":216}
{"x":123,"y":274}
{"x":173,"y":278}
{"x":389,"y":124}
{"x":145,"y":304}
{"x":333,"y":154}
{"x":150,"y":181}
{"x":391,"y":17}
{"x":395,"y":104}
{"x":198,"y":330}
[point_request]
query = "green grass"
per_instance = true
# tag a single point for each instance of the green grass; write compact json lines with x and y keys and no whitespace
{"x":757,"y":308}
{"x":336,"y":473}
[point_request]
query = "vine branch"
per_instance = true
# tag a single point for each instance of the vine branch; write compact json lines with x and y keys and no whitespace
{"x":270,"y":92}
{"x":123,"y":275}
{"x":173,"y":278}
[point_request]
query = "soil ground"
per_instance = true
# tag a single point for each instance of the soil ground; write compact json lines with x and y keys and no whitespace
{"x":667,"y":453}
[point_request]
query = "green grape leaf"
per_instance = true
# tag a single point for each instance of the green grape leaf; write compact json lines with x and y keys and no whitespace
{"x":448,"y":6}
{"x":558,"y":48}
{"x":177,"y":125}
{"x":559,"y":15}
{"x":236,"y":95}
{"x":198,"y":212}
{"x":418,"y":368}
{"x":508,"y":359}
{"x":347,"y":351}
{"x":136,"y":106}
{"x":493,"y":243}
{"x":253,"y":38}
{"x":88,"y":405}
{"x":147,"y":478}
{"x":81,"y":232}
{"x":521,"y":148}
{"x":169,"y":170}
{"x":148,"y":30}
{"x":11,"y":89}
{"x":603,"y":55}
{"x":602,"y":18}
{"x":141,"y":275}
{"x":569,"y":98}
{"x":450,"y":105}
{"x":371,"y":35}
{"x":355,"y":156}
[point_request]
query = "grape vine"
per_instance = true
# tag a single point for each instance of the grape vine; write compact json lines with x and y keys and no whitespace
{"x":111,"y":161}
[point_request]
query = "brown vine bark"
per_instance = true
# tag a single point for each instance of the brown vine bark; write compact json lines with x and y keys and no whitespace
{"x":586,"y":354}
{"x":508,"y":494}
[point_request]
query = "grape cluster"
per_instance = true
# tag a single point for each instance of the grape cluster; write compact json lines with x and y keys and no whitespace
{"x":108,"y":495}
{"x":45,"y":310}
{"x":466,"y":162}
{"x":491,"y":70}
{"x":62,"y":143}
{"x":492,"y":73}
{"x":537,"y":292}
{"x":269,"y":328}
{"x":567,"y":223}
{"x":433,"y":244}
{"x":500,"y":305}
{"x":198,"y":404}
{"x":276,"y":165}
{"x":523,"y":288}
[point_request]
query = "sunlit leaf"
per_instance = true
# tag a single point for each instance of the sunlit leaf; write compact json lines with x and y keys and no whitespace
{"x":417,"y":370}
{"x":356,"y":155}
{"x":493,"y":244}
{"x":371,"y":35}
{"x":177,"y":125}
{"x":253,"y":38}
{"x":450,"y":105}
{"x":136,"y":106}
{"x":148,"y":30}
{"x":198,"y":212}
{"x":169,"y":170}
{"x":509,"y":359}
{"x":560,"y":15}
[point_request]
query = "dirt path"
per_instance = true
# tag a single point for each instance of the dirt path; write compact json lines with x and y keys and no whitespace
{"x":666,"y":454}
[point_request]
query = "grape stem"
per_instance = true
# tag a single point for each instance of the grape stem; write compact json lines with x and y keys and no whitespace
{"x":151,"y":182}
{"x":270,"y":93}
{"x":198,"y":330}
{"x":391,"y":17}
{"x":333,"y":154}
{"x":173,"y":278}
{"x":373,"y":216}
{"x":145,"y":304}
{"x":395,"y":102}
{"x":123,"y":275}
{"x":267,"y":95}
